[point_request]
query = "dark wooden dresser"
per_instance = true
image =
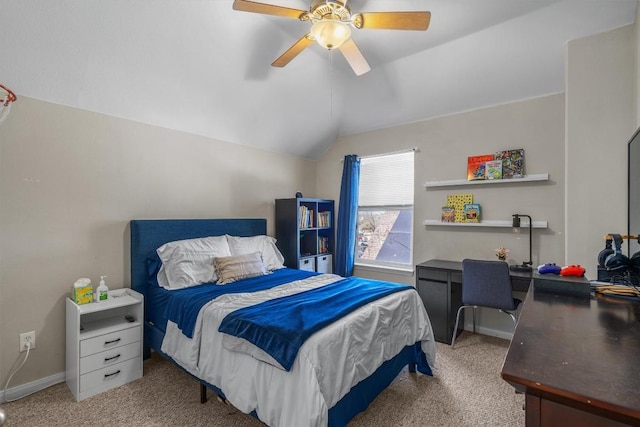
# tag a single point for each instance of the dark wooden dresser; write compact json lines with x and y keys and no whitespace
{"x":577,"y":358}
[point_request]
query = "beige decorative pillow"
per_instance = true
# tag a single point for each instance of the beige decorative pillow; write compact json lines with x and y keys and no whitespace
{"x":232,"y":268}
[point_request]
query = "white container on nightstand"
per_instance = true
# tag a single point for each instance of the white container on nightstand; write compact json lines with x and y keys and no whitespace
{"x":104,"y":343}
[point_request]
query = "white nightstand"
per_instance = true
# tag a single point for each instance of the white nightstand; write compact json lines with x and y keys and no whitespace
{"x":104,"y":348}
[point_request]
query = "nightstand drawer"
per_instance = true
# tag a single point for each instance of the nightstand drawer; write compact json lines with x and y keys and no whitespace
{"x":109,"y":357}
{"x":108,"y":341}
{"x":111,"y":376}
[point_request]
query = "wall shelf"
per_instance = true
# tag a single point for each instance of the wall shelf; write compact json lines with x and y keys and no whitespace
{"x":460,"y":182}
{"x":503,"y":224}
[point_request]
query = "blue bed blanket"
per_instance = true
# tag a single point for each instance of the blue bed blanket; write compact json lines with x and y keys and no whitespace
{"x":185,"y":304}
{"x":280,"y":326}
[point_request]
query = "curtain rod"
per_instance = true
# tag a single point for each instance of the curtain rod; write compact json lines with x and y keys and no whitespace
{"x":414,"y":149}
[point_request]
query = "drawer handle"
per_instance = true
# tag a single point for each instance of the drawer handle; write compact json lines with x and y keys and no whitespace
{"x":107,"y":359}
{"x":110,"y":375}
{"x":111,"y":342}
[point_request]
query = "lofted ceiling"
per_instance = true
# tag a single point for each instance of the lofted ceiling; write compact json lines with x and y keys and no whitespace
{"x":200,"y":67}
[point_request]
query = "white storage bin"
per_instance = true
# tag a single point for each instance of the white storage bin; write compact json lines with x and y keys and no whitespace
{"x":323,"y":264}
{"x":307,"y":264}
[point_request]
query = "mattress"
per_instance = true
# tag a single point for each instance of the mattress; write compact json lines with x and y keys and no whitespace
{"x":330,"y":363}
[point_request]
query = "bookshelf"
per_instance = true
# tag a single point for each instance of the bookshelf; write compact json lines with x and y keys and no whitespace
{"x":306,"y":234}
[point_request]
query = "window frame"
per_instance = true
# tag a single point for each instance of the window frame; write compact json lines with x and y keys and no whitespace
{"x":386,"y":265}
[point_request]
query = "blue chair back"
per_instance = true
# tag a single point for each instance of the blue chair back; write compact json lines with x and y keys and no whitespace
{"x":487,"y":284}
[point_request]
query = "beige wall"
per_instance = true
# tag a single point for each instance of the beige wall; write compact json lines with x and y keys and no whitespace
{"x":444,"y":144}
{"x":636,"y":73}
{"x":71,"y":180}
{"x":600,"y":120}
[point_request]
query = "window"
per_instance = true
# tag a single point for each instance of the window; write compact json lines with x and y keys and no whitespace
{"x":385,"y":211}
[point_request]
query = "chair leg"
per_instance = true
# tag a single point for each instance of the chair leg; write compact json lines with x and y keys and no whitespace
{"x":455,"y":328}
{"x":513,"y":317}
{"x":474,"y":319}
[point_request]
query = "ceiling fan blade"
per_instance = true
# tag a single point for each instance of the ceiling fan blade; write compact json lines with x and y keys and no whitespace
{"x":354,"y":57}
{"x":267,"y":9}
{"x":293,"y":51}
{"x":392,"y":20}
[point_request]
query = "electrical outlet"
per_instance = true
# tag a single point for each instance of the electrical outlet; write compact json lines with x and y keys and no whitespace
{"x":27,"y":338}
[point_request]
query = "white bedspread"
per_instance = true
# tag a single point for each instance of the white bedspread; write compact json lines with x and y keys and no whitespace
{"x":328,"y":365}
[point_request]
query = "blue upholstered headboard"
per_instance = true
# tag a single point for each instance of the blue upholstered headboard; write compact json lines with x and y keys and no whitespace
{"x":149,"y":234}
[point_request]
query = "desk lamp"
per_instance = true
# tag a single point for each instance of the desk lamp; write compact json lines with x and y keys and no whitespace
{"x":525,"y":266}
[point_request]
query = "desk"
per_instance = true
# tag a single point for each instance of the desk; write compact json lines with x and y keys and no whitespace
{"x":576,"y":358}
{"x":439,"y":284}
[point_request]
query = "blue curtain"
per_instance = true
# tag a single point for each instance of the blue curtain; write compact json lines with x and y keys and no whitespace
{"x":348,"y":216}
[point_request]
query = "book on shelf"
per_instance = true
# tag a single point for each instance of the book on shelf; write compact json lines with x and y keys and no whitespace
{"x":493,"y":169}
{"x":476,"y":166}
{"x":306,"y":217}
{"x":472,"y":212}
{"x":323,"y":245}
{"x":448,"y":214}
{"x":512,"y":163}
{"x":324,"y":219}
{"x":457,"y":202}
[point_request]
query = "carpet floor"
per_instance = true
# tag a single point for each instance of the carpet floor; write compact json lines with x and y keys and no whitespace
{"x":466,"y":390}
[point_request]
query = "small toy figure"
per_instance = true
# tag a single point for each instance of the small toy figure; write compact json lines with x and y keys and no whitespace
{"x":502,"y":253}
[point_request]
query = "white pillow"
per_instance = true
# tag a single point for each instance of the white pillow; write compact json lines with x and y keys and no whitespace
{"x":190,"y":262}
{"x":266,"y":245}
{"x":162,"y":278}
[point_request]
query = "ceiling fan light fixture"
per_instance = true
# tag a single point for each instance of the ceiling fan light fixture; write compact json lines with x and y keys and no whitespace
{"x":330,"y":33}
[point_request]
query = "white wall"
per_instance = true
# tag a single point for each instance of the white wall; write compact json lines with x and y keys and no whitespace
{"x":71,"y":180}
{"x":537,"y":125}
{"x":600,"y":119}
{"x":636,"y":83}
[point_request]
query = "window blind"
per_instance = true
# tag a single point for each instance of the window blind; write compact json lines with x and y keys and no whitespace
{"x":386,"y":180}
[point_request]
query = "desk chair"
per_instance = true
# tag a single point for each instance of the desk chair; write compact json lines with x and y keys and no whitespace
{"x":486,"y":284}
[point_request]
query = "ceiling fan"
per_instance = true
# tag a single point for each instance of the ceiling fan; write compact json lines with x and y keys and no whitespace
{"x":331,"y":21}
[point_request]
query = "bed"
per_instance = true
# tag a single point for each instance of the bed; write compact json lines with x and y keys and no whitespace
{"x":320,"y":382}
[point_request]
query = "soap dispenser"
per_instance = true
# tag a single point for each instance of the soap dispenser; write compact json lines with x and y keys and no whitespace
{"x":102,"y":290}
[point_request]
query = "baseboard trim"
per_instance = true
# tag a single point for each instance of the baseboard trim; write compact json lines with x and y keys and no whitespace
{"x":23,"y":390}
{"x":488,"y":331}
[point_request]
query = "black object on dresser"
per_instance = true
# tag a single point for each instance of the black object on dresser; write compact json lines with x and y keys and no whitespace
{"x":306,"y":234}
{"x":439,"y":284}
